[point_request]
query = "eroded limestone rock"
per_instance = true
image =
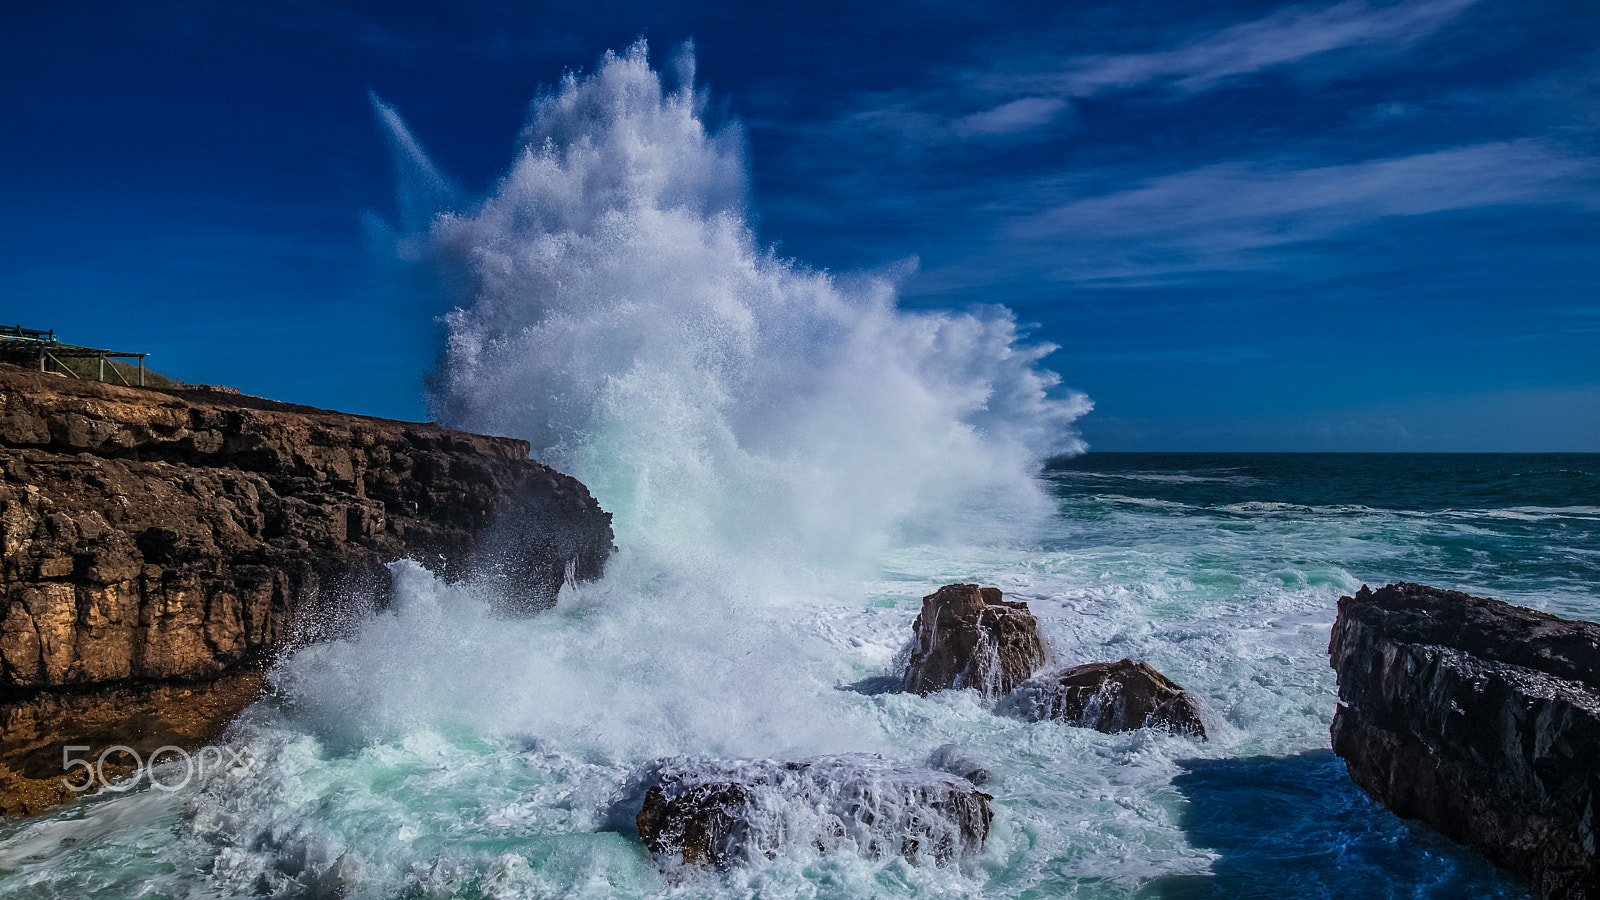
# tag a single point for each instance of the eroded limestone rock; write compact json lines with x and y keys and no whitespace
{"x":156,"y":536}
{"x":722,"y":812}
{"x":1108,"y":697}
{"x":971,"y":637}
{"x":171,"y":535}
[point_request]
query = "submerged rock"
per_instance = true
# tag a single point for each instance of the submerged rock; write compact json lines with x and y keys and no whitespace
{"x":955,"y":759}
{"x":1119,"y":696}
{"x":722,"y":812}
{"x":1479,"y":718}
{"x":970,"y":637}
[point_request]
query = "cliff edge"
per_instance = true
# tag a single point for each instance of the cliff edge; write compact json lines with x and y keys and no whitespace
{"x":151,"y":537}
{"x":1479,"y":718}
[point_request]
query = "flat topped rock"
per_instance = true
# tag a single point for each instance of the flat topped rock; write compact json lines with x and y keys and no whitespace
{"x":971,"y":637}
{"x":1482,"y":627}
{"x":722,"y":812}
{"x":1120,"y":696}
{"x":1480,"y":719}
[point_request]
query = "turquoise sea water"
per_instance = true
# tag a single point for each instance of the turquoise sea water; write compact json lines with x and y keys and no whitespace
{"x":444,"y":752}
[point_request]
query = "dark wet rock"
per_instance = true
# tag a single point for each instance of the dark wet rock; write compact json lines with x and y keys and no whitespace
{"x":970,"y":637}
{"x":170,"y":537}
{"x":955,"y":759}
{"x":1109,"y":697}
{"x":724,"y":812}
{"x":1480,"y":719}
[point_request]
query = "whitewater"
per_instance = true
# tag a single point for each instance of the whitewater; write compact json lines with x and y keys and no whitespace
{"x":792,"y":461}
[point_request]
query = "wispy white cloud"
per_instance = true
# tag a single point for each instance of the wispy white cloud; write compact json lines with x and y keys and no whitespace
{"x":1009,"y":118}
{"x":1033,"y":89}
{"x":1289,"y":36}
{"x":1305,"y":187}
{"x":1216,"y":215}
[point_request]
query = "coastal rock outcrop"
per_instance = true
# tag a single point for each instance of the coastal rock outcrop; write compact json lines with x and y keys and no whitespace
{"x":722,"y":812}
{"x":170,"y":536}
{"x":1108,"y":697}
{"x":971,"y":637}
{"x":1482,"y":720}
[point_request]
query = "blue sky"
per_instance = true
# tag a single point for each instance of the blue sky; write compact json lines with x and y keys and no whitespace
{"x":1248,"y":226}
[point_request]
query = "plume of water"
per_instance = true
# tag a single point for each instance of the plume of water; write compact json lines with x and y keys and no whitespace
{"x":617,"y":311}
{"x":749,"y":422}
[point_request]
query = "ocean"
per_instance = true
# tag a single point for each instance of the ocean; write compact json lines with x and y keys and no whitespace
{"x":793,"y":462}
{"x":444,"y":752}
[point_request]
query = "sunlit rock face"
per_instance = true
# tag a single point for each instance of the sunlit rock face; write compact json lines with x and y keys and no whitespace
{"x":162,"y":536}
{"x":722,"y":812}
{"x":1109,"y":697}
{"x":971,"y":637}
{"x":158,"y":535}
{"x":1479,"y":718}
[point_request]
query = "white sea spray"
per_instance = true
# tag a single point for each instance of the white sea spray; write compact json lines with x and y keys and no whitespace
{"x":616,"y":309}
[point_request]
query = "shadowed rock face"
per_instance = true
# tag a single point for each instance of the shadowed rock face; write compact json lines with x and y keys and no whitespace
{"x":969,"y":637}
{"x":144,"y":717}
{"x":722,"y":812}
{"x":1119,"y":696}
{"x":150,"y":536}
{"x":1479,"y":718}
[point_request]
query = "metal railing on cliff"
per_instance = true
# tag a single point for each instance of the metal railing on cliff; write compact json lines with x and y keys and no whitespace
{"x":32,"y":347}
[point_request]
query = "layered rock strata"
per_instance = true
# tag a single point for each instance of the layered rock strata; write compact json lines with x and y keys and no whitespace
{"x":709,"y":812}
{"x":57,"y":747}
{"x":171,"y":536}
{"x":1479,"y":718}
{"x":1108,"y":697}
{"x":971,"y":637}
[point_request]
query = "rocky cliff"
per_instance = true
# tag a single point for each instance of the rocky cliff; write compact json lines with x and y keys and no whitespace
{"x":150,"y":536}
{"x":1479,"y":718}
